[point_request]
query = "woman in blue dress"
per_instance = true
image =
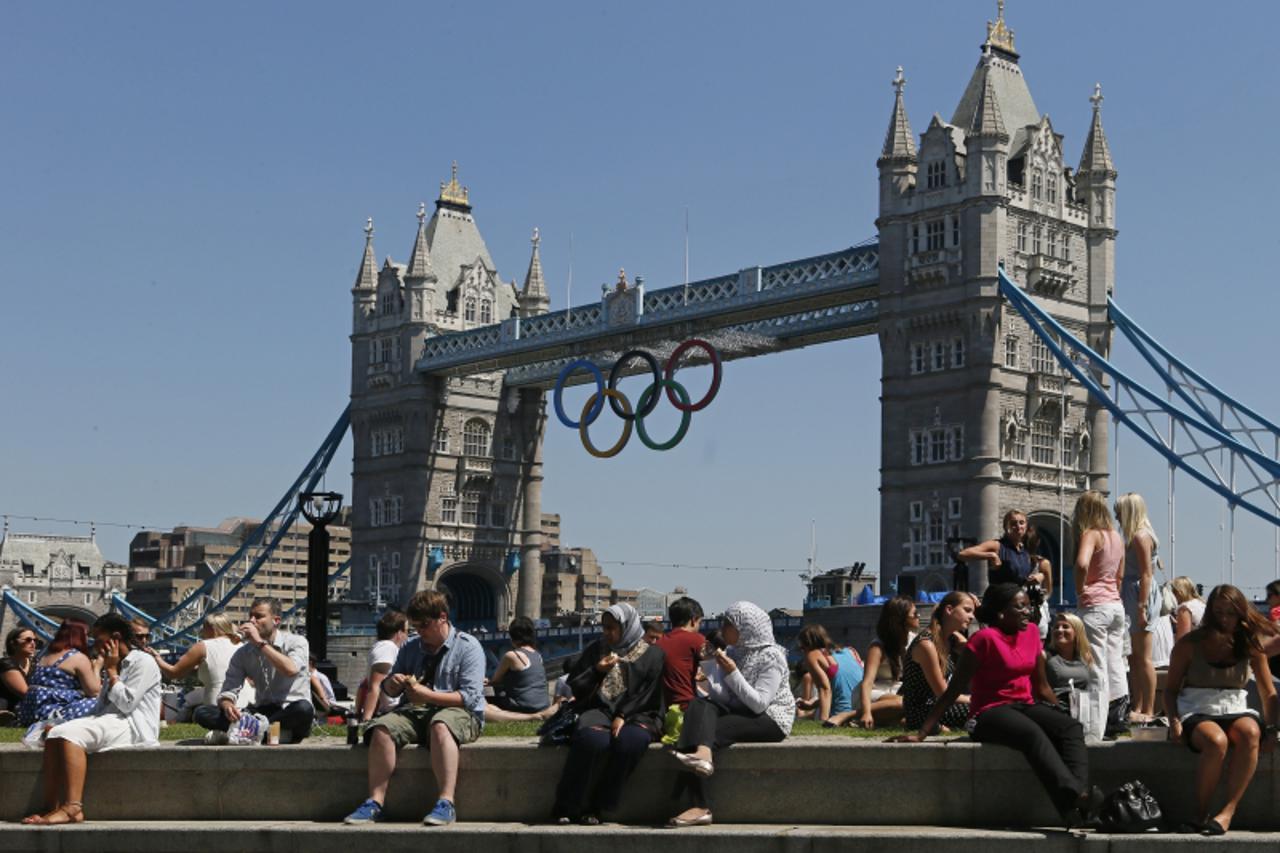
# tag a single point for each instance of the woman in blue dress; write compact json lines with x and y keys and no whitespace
{"x":64,"y":683}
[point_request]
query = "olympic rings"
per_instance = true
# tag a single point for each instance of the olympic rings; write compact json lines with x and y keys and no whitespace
{"x":715,"y":375}
{"x":626,"y":423}
{"x":686,"y":415}
{"x":663,"y":379}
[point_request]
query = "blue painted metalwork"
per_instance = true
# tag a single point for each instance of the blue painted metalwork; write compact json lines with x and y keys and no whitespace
{"x":1090,"y":369}
{"x":27,"y":616}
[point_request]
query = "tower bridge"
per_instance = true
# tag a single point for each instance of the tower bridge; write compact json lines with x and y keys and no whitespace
{"x":450,"y":362}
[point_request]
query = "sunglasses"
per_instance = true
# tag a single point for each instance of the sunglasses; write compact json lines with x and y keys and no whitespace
{"x":31,"y":640}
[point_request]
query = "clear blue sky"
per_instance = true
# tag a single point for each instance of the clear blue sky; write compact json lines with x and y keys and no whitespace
{"x":182,"y":192}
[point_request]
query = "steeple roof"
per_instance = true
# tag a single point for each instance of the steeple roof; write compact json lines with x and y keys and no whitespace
{"x":420,"y":260}
{"x":998,"y":69}
{"x":987,"y":120}
{"x":367,"y":278}
{"x":899,"y":143}
{"x":534,"y":286}
{"x":1096,"y":156}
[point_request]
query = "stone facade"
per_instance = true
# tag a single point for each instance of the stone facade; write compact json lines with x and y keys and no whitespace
{"x":976,"y":417}
{"x":61,"y":576}
{"x":446,"y":479}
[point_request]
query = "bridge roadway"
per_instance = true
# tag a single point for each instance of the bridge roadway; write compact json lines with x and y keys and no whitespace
{"x":756,"y":310}
{"x":806,"y":794}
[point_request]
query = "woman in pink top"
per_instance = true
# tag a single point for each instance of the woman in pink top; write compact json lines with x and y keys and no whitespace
{"x":1011,"y":703}
{"x":1099,"y":573}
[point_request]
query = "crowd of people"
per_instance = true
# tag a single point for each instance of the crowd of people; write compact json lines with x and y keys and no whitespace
{"x":1004,"y":669}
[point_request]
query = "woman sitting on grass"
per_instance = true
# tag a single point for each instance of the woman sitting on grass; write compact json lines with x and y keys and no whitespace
{"x":836,"y":673}
{"x":520,"y":681}
{"x":127,"y":714}
{"x":895,"y":629}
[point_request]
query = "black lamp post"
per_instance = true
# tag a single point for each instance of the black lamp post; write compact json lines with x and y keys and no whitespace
{"x":319,"y":508}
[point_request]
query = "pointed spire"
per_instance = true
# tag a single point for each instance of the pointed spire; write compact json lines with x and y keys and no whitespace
{"x":420,"y":260}
{"x":898,"y":142}
{"x":1097,"y":154}
{"x":987,"y":120}
{"x":534,"y":286}
{"x":367,"y":278}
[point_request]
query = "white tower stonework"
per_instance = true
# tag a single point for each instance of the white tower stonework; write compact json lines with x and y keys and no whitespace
{"x":446,"y":478}
{"x":976,"y":418}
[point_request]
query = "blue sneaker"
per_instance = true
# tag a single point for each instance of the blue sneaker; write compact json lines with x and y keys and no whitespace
{"x":370,"y":811}
{"x":442,"y":815}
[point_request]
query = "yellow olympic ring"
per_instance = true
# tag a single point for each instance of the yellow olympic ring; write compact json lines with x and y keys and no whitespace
{"x":626,"y":424}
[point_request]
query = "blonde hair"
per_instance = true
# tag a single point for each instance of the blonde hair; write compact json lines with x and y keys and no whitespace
{"x":1184,"y":589}
{"x":1084,"y":651}
{"x":222,"y":626}
{"x":1090,"y":513}
{"x":1131,"y":512}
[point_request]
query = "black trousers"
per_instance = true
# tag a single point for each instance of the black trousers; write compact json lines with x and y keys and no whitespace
{"x":295,"y":719}
{"x":1051,"y":740}
{"x":593,"y":744}
{"x":712,"y":725}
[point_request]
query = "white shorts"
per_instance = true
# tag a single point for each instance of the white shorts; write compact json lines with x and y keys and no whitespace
{"x":95,"y":734}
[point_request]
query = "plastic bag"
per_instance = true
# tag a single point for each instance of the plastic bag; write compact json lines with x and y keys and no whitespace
{"x":249,"y":730}
{"x":672,"y":724}
{"x":1089,"y":707}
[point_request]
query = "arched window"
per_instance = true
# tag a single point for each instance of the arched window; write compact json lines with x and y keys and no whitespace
{"x":486,"y":311}
{"x":475,"y":438}
{"x":470,"y":310}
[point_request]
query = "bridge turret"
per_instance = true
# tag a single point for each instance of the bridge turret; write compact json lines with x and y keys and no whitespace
{"x":898,"y":160}
{"x":988,"y":139}
{"x":420,"y":277}
{"x":1096,"y":187}
{"x":533,"y":298}
{"x":364,"y":291}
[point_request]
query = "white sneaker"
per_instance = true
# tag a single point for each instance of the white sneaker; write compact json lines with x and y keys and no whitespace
{"x":216,"y":738}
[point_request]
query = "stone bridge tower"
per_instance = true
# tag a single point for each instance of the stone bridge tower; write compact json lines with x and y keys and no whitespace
{"x":446,"y":476}
{"x":976,"y":418}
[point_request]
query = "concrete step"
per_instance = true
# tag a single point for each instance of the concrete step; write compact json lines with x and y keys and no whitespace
{"x":806,"y":780}
{"x":306,"y":837}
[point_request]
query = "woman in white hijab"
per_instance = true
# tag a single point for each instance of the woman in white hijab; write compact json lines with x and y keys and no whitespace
{"x":751,"y":703}
{"x":617,"y":692}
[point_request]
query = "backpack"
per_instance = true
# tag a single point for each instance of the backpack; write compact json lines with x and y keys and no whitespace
{"x":1130,"y":808}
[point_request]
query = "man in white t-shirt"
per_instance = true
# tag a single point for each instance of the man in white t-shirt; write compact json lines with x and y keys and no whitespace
{"x":393,"y":630}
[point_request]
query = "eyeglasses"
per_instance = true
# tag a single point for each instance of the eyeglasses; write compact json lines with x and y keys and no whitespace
{"x":31,"y":640}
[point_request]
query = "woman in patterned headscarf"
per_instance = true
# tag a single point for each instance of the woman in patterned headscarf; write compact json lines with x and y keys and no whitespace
{"x":616,"y":686}
{"x":752,"y":703}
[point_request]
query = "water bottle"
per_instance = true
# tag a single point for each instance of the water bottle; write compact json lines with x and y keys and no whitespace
{"x":353,"y":731}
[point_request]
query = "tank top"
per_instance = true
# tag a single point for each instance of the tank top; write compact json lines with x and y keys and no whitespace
{"x":1104,"y":566}
{"x":1202,"y":673}
{"x":526,"y":688}
{"x":1015,"y":565}
{"x":845,"y":682}
{"x":212,"y":671}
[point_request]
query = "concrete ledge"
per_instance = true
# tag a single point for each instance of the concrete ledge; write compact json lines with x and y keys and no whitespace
{"x":304,"y":837}
{"x":808,"y":780}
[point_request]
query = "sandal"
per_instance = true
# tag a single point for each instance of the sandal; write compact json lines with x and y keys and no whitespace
{"x":70,"y":813}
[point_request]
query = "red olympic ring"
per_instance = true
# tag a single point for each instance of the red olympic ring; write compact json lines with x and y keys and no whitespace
{"x":716,"y":373}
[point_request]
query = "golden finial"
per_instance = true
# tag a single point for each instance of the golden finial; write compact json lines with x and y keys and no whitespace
{"x":998,"y":34}
{"x":452,"y":193}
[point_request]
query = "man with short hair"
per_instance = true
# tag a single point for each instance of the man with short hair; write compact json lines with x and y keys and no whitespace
{"x":276,"y":661}
{"x":440,"y":682}
{"x":393,"y":630}
{"x":682,"y":646}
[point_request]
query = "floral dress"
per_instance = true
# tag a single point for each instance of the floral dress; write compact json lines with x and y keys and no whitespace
{"x":917,"y":696}
{"x":54,"y":694}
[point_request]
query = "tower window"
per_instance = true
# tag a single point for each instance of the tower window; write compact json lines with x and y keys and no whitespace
{"x":935,"y":232}
{"x":1042,"y":360}
{"x":1053,"y":243}
{"x":475,"y":438}
{"x":1022,"y":236}
{"x":957,"y":352}
{"x":486,"y":311}
{"x":936,"y":174}
{"x":955,"y":231}
{"x":1051,"y":189}
{"x":915,"y":239}
{"x":1011,"y":351}
{"x":469,"y":312}
{"x":1037,"y":185}
{"x":1037,"y":236}
{"x":919,"y":358}
{"x":449,"y":510}
{"x":939,"y":355}
{"x":1044,"y":441}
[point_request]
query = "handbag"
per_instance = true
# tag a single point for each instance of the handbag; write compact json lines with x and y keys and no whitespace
{"x":559,"y":727}
{"x":1130,"y":808}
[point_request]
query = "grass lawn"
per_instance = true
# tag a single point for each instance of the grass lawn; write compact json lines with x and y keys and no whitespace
{"x":189,"y":731}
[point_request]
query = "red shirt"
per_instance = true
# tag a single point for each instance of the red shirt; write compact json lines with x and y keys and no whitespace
{"x":681,"y":648}
{"x":1005,"y":664}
